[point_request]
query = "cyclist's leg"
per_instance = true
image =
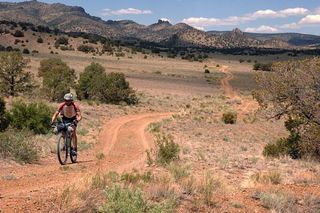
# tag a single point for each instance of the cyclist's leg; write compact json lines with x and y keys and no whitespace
{"x":75,"y":140}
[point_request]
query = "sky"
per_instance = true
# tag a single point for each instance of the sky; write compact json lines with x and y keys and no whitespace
{"x":262,"y":16}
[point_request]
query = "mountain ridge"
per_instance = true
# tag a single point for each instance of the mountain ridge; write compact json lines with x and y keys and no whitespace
{"x":76,"y":19}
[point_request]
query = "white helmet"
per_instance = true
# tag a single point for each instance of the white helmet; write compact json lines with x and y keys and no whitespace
{"x":68,"y":97}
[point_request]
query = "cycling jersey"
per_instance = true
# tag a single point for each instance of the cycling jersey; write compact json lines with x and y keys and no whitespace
{"x":68,"y":112}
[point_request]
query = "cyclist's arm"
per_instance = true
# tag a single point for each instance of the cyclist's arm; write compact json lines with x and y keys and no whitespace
{"x":79,"y":116}
{"x":58,"y":112}
{"x":54,"y":117}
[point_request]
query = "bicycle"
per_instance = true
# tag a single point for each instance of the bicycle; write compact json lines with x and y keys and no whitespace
{"x":64,"y":142}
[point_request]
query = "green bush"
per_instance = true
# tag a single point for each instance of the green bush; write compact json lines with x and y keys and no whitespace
{"x":124,"y":200}
{"x":4,"y":121}
{"x":26,"y":51}
{"x":167,"y":150}
{"x":127,"y":200}
{"x":86,"y":48}
{"x":34,"y":116}
{"x":262,"y":67}
{"x":61,"y":41}
{"x":57,"y":78}
{"x":19,"y":146}
{"x":86,"y":84}
{"x":116,"y":90}
{"x":229,"y":117}
{"x":284,"y":146}
{"x":40,"y":40}
{"x":18,"y":34}
{"x":113,"y":88}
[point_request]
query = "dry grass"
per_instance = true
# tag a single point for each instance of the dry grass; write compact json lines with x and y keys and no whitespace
{"x":278,"y":201}
{"x":273,"y":177}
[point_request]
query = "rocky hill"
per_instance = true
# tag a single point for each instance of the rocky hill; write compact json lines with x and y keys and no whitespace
{"x":75,"y":19}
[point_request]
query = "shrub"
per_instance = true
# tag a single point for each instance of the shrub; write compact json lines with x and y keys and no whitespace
{"x":206,"y":189}
{"x":25,"y":51}
{"x":273,"y":177}
{"x":207,"y":71}
{"x":18,"y":34}
{"x":19,"y":146}
{"x":4,"y":121}
{"x":57,"y":78}
{"x":167,"y":150}
{"x":178,"y":171}
{"x":126,"y":200}
{"x":95,"y":84}
{"x":61,"y":41}
{"x":241,"y":60}
{"x":229,"y":117}
{"x":278,"y":201}
{"x":34,"y":116}
{"x":116,"y":90}
{"x":40,"y":40}
{"x":276,"y":149}
{"x":86,"y":84}
{"x":120,"y":54}
{"x":262,"y":67}
{"x":86,"y":48}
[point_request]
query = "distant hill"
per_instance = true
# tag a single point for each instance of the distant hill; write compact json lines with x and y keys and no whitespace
{"x":295,"y":39}
{"x":75,"y":19}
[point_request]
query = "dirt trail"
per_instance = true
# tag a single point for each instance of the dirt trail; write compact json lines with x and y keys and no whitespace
{"x":245,"y":106}
{"x":123,"y":141}
{"x":225,"y":83}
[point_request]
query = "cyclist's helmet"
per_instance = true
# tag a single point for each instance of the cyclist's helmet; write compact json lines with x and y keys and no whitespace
{"x":68,"y":97}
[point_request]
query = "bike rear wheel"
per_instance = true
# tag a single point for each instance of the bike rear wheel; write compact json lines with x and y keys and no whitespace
{"x":62,"y":150}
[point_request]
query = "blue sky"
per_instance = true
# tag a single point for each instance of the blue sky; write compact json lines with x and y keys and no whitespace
{"x":249,"y":15}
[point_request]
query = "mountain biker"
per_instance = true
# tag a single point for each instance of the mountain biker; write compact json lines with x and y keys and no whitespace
{"x":70,"y":113}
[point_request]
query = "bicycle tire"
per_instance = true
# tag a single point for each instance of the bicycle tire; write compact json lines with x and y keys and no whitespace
{"x":72,"y":157}
{"x":62,"y":151}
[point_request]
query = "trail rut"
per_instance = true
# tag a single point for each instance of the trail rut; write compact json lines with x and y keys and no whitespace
{"x":123,"y":141}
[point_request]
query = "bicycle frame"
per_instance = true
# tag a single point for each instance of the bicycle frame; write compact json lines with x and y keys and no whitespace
{"x":67,"y":131}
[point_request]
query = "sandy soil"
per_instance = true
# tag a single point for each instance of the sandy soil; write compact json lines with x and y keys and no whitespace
{"x":176,"y":89}
{"x":123,"y":142}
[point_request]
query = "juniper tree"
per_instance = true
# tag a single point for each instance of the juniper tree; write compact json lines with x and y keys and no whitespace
{"x":13,"y":78}
{"x":292,"y":91}
{"x":57,"y":78}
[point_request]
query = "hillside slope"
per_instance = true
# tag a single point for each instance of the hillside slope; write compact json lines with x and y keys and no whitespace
{"x":75,"y":19}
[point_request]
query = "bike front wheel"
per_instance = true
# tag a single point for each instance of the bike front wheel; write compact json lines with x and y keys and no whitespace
{"x":72,"y":156}
{"x":62,"y":151}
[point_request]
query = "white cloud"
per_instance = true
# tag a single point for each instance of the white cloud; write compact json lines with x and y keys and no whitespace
{"x":263,"y":14}
{"x":128,"y":11}
{"x":294,"y":12}
{"x":200,"y":28}
{"x":310,"y":19}
{"x":290,"y":26}
{"x":235,"y":20}
{"x":165,"y":19}
{"x":262,"y":29}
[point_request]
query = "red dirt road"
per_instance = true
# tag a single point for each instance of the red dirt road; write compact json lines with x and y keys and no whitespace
{"x":35,"y":188}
